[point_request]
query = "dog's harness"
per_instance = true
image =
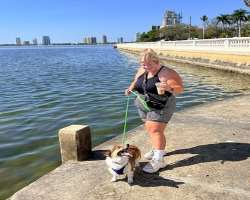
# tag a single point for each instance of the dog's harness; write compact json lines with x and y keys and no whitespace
{"x":119,"y":171}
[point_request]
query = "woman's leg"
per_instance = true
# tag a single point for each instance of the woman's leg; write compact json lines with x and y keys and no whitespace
{"x":156,"y":133}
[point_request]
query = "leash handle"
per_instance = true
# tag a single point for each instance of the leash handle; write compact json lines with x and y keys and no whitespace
{"x":144,"y":103}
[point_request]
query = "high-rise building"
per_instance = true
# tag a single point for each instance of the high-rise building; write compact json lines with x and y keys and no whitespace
{"x":90,"y":40}
{"x":26,"y":42}
{"x":120,"y":40}
{"x":104,"y":39}
{"x":171,"y":18}
{"x":18,"y":41}
{"x":93,"y":40}
{"x":138,"y":36}
{"x":35,"y":41}
{"x":85,"y":40}
{"x":46,"y":40}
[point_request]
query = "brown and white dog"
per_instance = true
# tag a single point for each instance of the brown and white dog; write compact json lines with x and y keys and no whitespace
{"x":123,"y":161}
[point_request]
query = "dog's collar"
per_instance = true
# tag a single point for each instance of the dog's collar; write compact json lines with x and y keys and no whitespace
{"x":119,"y":171}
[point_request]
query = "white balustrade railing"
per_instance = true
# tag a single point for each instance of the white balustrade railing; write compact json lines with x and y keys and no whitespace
{"x":238,"y":44}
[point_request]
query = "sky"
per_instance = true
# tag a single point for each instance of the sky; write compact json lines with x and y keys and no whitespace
{"x":72,"y":20}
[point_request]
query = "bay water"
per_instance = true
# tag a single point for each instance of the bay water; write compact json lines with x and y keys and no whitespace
{"x":44,"y":89}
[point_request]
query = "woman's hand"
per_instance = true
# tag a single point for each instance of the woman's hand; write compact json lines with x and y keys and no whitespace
{"x":127,"y":92}
{"x":166,"y":87}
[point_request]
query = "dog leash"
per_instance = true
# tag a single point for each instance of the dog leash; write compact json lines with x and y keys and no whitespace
{"x":144,"y":103}
{"x":124,"y":137}
{"x":125,"y":124}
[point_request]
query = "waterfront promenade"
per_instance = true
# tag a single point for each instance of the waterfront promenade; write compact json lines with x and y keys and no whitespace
{"x":230,"y":54}
{"x":208,"y":158}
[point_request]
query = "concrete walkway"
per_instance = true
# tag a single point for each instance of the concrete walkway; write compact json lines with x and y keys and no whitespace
{"x":208,"y":155}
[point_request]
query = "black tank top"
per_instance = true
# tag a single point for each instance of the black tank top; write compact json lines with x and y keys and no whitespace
{"x":149,"y":83}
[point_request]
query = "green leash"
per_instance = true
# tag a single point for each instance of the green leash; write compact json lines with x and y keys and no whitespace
{"x":144,"y":103}
{"x":126,"y":115}
{"x":125,"y":124}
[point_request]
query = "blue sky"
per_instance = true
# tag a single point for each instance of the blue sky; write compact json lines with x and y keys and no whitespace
{"x":72,"y":20}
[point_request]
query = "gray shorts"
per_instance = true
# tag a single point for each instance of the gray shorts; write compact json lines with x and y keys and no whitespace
{"x":163,"y":115}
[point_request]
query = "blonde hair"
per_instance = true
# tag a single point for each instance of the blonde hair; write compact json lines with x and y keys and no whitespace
{"x":150,"y":55}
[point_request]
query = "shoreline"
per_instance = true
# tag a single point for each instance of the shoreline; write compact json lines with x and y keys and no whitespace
{"x":239,"y":63}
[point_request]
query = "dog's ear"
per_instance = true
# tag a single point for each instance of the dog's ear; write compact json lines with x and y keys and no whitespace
{"x":115,"y":148}
{"x":134,"y":151}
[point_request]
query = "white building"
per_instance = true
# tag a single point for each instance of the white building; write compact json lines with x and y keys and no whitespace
{"x":171,"y":18}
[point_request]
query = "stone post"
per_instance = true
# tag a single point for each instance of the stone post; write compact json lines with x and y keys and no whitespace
{"x":75,"y":142}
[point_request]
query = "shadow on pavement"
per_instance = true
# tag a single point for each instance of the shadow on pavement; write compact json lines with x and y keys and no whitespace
{"x":222,"y":152}
{"x":153,"y":180}
{"x":99,"y":154}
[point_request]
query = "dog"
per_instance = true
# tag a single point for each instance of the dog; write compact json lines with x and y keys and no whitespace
{"x":123,"y":161}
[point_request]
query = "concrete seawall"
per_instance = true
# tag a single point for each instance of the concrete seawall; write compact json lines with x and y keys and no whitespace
{"x":235,"y":62}
{"x":208,"y":158}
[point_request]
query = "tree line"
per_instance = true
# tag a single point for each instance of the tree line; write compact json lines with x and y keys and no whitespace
{"x":236,"y":24}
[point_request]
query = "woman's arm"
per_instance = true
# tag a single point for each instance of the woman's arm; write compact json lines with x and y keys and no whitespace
{"x":171,"y":81}
{"x":139,"y":72}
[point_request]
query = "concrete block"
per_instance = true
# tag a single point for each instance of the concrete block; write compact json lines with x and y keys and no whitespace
{"x":75,"y":142}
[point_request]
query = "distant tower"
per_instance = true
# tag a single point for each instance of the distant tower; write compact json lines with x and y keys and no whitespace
{"x":46,"y":40}
{"x":171,"y":18}
{"x":35,"y":41}
{"x":120,"y":40}
{"x":104,"y":39}
{"x":138,"y":36}
{"x":89,"y":40}
{"x":93,"y":40}
{"x":18,"y":41}
{"x":85,"y":40}
{"x":26,"y":43}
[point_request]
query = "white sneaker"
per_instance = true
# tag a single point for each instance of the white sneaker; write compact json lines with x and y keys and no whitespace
{"x":154,"y":165}
{"x":149,"y":155}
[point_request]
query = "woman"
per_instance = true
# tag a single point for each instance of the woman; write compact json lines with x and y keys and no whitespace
{"x":162,"y":104}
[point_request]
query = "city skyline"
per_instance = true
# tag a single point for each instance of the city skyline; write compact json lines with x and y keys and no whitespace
{"x":45,"y":40}
{"x":66,"y":21}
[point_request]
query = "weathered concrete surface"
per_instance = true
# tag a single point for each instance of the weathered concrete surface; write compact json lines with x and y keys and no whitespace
{"x":208,"y":158}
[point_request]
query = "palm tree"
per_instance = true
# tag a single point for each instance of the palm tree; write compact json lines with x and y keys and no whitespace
{"x":224,"y":19}
{"x":204,"y":18}
{"x":240,"y":16}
